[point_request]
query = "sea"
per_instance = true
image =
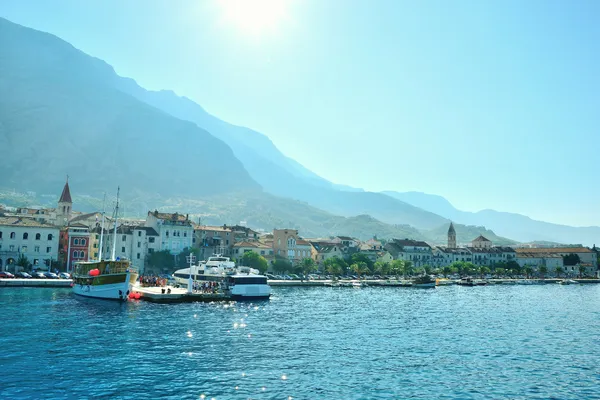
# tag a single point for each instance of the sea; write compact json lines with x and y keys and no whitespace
{"x":490,"y":342}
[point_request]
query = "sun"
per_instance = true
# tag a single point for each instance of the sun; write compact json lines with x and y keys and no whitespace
{"x":255,"y":17}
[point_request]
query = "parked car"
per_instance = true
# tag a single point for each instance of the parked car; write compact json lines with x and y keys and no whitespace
{"x":37,"y":275}
{"x":6,"y":275}
{"x":50,"y":275}
{"x":64,"y":275}
{"x":22,"y":275}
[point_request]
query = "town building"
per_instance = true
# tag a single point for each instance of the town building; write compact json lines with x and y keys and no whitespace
{"x":213,"y":239}
{"x":133,"y":242}
{"x":588,"y":258}
{"x":74,"y":245}
{"x":415,"y":251}
{"x":258,"y":247}
{"x":65,"y":207}
{"x":287,"y":243}
{"x":481,"y":242}
{"x":175,"y":231}
{"x":38,"y":241}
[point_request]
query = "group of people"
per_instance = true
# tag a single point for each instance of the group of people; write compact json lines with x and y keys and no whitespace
{"x":152,"y":280}
{"x":206,"y":287}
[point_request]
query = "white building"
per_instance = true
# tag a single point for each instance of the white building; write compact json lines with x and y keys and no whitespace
{"x":415,"y":251}
{"x":175,"y":231}
{"x":133,"y":243}
{"x":35,"y":240}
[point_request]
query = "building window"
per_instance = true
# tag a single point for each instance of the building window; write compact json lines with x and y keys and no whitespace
{"x":95,"y":255}
{"x":167,"y":233}
{"x":95,"y":245}
{"x":50,"y":236}
{"x":0,"y":234}
{"x":23,"y":249}
{"x":151,"y":240}
{"x":150,"y":251}
{"x":139,"y":233}
{"x":12,"y":235}
{"x":83,"y":242}
{"x":138,"y":256}
{"x":262,"y":252}
{"x":227,"y":242}
{"x":124,"y":238}
{"x":11,"y":247}
{"x":48,"y":249}
{"x":76,"y":242}
{"x":25,"y":236}
{"x":122,"y":249}
{"x":38,"y":236}
{"x":36,"y":249}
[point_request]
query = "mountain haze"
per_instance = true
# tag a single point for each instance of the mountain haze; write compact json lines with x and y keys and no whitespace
{"x":280,"y":175}
{"x":515,"y":226}
{"x":59,"y":115}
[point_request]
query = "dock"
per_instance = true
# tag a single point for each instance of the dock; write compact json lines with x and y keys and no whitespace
{"x":54,"y":283}
{"x":177,"y":295}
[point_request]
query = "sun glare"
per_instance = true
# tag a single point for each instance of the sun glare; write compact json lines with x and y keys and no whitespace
{"x":254,"y":17}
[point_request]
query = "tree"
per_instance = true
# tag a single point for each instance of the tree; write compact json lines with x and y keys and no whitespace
{"x":381,"y":268}
{"x":254,"y":260}
{"x":334,"y":269}
{"x":409,"y":269}
{"x":160,"y":261}
{"x":558,"y":271}
{"x":571,"y":259}
{"x":500,"y":272}
{"x":483,"y":271}
{"x":447,"y":270}
{"x":397,"y":268}
{"x":528,"y":272}
{"x":360,"y":257}
{"x":307,"y":266}
{"x":281,"y":265}
{"x":543,"y":271}
{"x":360,"y":268}
{"x":23,"y":262}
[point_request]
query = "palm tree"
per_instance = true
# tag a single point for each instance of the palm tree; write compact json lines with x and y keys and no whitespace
{"x":543,"y":271}
{"x":528,"y":272}
{"x":334,"y":269}
{"x":359,"y":268}
{"x":381,"y":268}
{"x":397,"y":268}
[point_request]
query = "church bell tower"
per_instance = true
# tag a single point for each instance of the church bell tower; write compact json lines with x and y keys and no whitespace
{"x":451,"y":237}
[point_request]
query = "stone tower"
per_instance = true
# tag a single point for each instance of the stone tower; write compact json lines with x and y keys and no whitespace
{"x":451,"y":237}
{"x":65,"y":206}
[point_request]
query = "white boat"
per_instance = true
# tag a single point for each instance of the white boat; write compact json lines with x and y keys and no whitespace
{"x":357,"y":285}
{"x":239,"y":282}
{"x":568,"y":282}
{"x":105,"y":279}
{"x":112,"y":281}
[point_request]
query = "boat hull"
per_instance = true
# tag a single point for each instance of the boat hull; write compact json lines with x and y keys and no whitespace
{"x":250,"y":292}
{"x":424,"y":285}
{"x":108,"y":291}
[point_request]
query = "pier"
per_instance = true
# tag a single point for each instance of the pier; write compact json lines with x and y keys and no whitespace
{"x":66,"y":283}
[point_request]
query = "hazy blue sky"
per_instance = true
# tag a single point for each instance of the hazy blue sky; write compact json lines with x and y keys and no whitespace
{"x":492,"y":104}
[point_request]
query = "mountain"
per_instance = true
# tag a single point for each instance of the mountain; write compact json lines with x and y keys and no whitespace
{"x":516,"y":226}
{"x":60,"y":114}
{"x":280,"y":175}
{"x":64,"y":112}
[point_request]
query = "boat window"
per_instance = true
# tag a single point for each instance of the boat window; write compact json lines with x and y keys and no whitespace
{"x":250,"y":280}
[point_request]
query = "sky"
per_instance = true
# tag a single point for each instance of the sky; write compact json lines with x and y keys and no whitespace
{"x":491,"y":104}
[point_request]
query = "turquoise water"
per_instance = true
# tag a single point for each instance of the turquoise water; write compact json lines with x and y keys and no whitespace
{"x":494,"y":342}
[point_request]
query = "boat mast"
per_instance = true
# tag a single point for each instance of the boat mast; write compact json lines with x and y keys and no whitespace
{"x":114,"y":249}
{"x":102,"y":227}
